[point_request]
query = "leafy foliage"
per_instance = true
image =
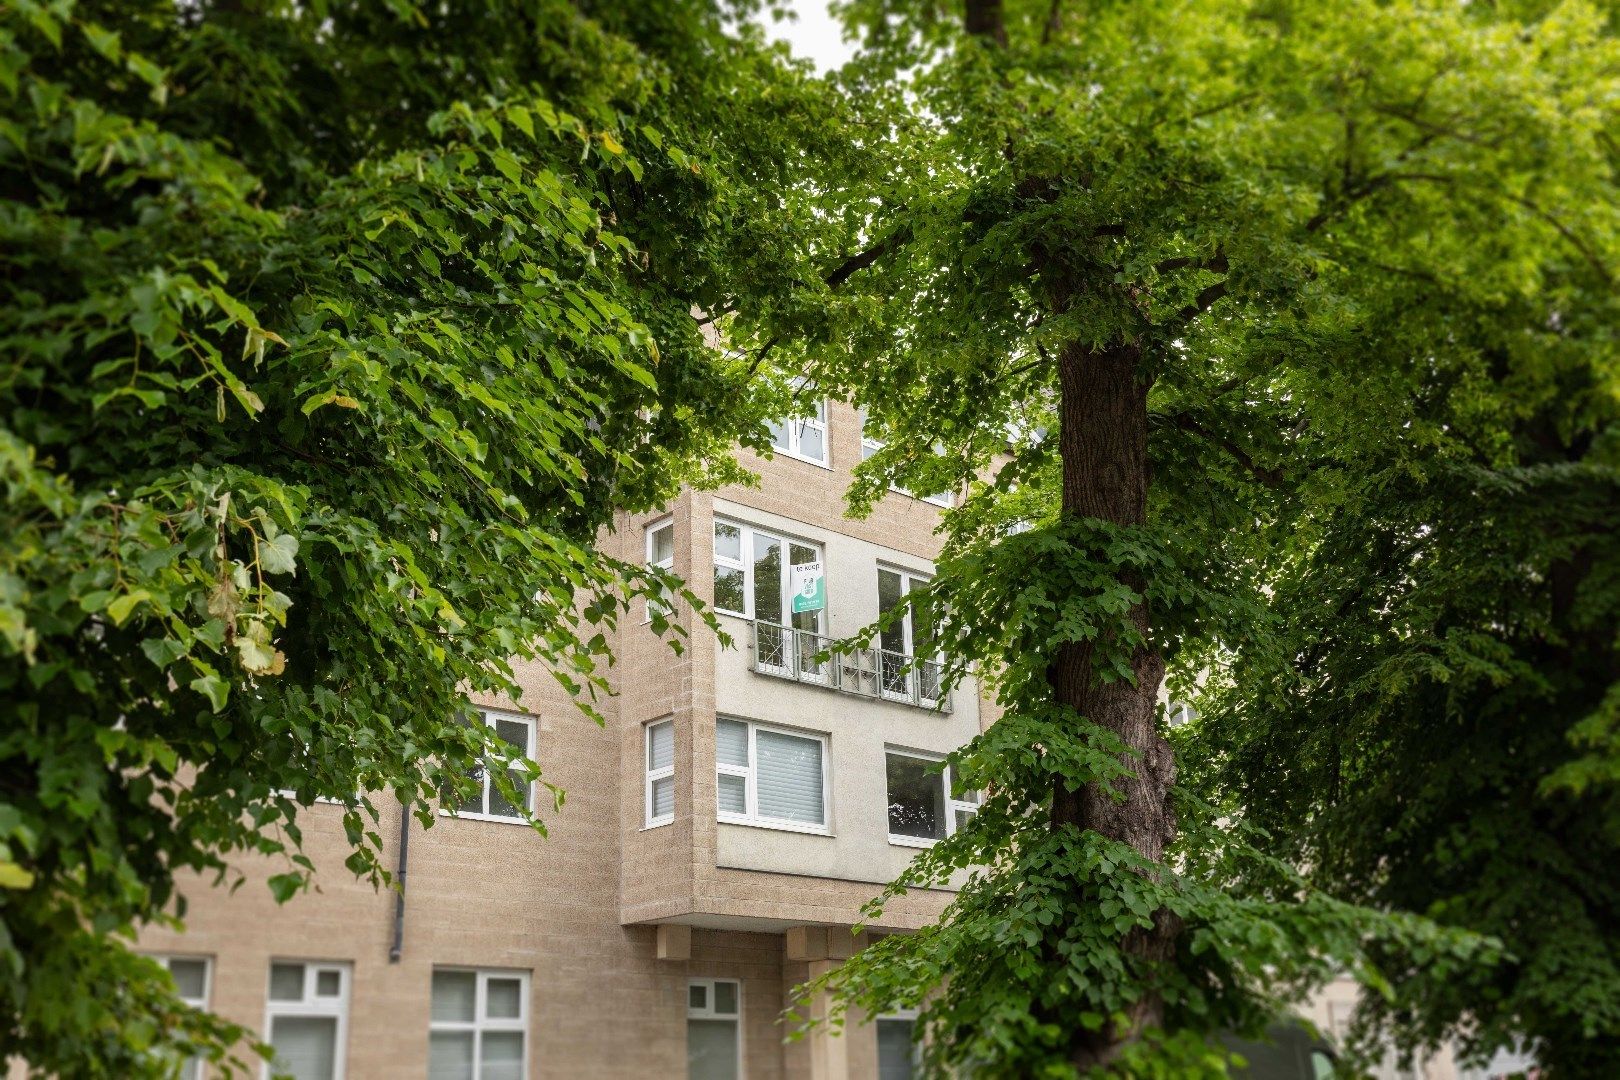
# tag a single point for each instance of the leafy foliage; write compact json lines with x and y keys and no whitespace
{"x":335,"y":334}
{"x":1363,"y":255}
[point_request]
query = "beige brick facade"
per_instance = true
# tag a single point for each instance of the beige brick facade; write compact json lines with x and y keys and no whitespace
{"x":580,"y":911}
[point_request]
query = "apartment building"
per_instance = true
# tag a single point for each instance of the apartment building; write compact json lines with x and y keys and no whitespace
{"x":720,"y":834}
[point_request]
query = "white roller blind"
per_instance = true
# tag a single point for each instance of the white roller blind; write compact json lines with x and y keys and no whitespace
{"x":789,"y":777}
{"x":455,"y":995}
{"x":660,"y":746}
{"x":731,"y":743}
{"x":663,"y":797}
{"x":306,"y":1046}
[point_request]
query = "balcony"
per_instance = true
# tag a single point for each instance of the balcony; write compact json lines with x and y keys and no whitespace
{"x":784,"y":652}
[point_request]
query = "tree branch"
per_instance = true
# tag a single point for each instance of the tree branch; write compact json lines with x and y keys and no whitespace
{"x":860,"y":261}
{"x":1269,"y":477}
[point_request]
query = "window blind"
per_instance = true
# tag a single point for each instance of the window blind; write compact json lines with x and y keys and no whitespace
{"x":789,"y":779}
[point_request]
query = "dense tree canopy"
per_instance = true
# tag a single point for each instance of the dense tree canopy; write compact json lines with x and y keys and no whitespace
{"x":333,"y":334}
{"x":1313,"y":306}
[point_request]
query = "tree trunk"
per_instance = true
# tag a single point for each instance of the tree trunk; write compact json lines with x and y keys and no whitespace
{"x":1103,"y":444}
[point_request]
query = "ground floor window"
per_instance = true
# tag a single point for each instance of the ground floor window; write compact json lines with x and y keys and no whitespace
{"x":479,"y":1022}
{"x":714,"y":1029}
{"x":897,"y":1046}
{"x":308,"y":1014}
{"x":191,"y":978}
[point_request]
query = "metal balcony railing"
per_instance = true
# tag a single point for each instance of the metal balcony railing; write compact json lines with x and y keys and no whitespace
{"x":785,"y":652}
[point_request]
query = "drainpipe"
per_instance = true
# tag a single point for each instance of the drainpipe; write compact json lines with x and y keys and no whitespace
{"x":398,"y":946}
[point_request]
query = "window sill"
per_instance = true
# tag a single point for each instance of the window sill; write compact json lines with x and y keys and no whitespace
{"x":778,"y":452}
{"x":657,"y":824}
{"x":913,"y":841}
{"x":776,"y":826}
{"x":468,"y":815}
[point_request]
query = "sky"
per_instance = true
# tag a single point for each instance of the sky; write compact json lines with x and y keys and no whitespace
{"x":815,"y":35}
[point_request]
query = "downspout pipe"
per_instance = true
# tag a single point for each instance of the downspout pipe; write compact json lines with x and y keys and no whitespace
{"x":397,"y":948}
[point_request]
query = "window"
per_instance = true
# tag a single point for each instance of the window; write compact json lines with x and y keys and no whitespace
{"x":489,"y":804}
{"x":869,"y":449}
{"x":897,"y":1046}
{"x":660,"y":773}
{"x":803,"y":437}
{"x":191,"y":975}
{"x":912,"y":636}
{"x":751,"y":577}
{"x":661,"y":553}
{"x":771,"y":777}
{"x":923,"y":805}
{"x":713,"y":1029}
{"x":307,"y":1017}
{"x":478,"y":1025}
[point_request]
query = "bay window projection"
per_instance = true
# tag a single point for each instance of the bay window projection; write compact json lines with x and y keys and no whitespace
{"x":191,"y":975}
{"x":661,"y":553}
{"x":769,"y":776}
{"x":660,"y":773}
{"x":803,"y":437}
{"x":924,"y":806}
{"x":713,"y":1029}
{"x":912,"y":636}
{"x":307,"y":1018}
{"x":489,"y":804}
{"x":479,"y":1024}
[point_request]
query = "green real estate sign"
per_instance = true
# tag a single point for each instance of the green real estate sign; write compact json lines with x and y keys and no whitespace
{"x":809,"y":586}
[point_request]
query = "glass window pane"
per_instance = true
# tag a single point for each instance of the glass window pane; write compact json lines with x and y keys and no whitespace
{"x":916,"y":798}
{"x":725,"y":998}
{"x":727,"y":541}
{"x":515,"y":732}
{"x":891,"y":589}
{"x":450,"y":1055}
{"x":728,"y":590}
{"x":789,"y":778}
{"x":328,"y":984}
{"x":191,"y":1069}
{"x":733,"y":794}
{"x":501,"y":806}
{"x":661,"y":745}
{"x":731,"y":742}
{"x":663,"y":797}
{"x":779,"y":434}
{"x":711,"y":1050}
{"x":190,"y":978}
{"x":286,"y":982}
{"x":812,"y":442}
{"x":503,"y":998}
{"x":661,"y":549}
{"x":306,"y":1046}
{"x":455,"y":995}
{"x":896,"y":1055}
{"x":962,"y":817}
{"x":697,"y":996}
{"x":767,"y":578}
{"x":502,"y":1057}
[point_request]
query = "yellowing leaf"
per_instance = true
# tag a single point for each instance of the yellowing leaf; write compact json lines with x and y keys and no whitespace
{"x":13,"y":876}
{"x":610,"y":144}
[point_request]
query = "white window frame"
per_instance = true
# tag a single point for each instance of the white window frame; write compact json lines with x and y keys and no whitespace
{"x":750,"y":773}
{"x":870,"y":446}
{"x":481,"y":1022}
{"x":652,"y":529}
{"x":952,"y":804}
{"x":909,"y":580}
{"x":745,"y":547}
{"x":312,"y":1005}
{"x":167,"y":960}
{"x":795,"y":425}
{"x":708,"y":1013}
{"x":668,"y":773}
{"x":490,"y":716}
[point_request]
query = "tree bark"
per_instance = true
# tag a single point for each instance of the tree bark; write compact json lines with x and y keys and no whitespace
{"x":1103,"y":444}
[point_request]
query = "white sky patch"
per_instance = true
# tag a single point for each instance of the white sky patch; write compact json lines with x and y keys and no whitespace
{"x":814,"y":35}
